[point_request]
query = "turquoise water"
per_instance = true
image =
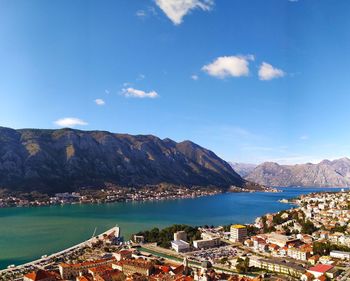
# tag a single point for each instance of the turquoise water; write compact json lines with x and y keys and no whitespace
{"x":28,"y":233}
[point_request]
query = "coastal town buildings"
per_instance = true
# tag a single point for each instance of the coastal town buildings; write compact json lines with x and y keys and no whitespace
{"x":180,"y":245}
{"x":238,"y":233}
{"x":180,"y":235}
{"x":207,"y":243}
{"x":307,"y":242}
{"x":40,"y":275}
{"x":131,"y":266}
{"x":340,"y":255}
{"x":278,"y":266}
{"x":69,"y":271}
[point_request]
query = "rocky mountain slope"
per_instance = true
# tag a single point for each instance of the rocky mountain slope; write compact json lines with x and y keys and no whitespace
{"x":324,"y":174}
{"x":63,"y":160}
{"x":243,"y":169}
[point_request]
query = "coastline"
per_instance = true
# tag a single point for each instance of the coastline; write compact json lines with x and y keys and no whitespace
{"x":71,"y":199}
{"x":245,"y":195}
{"x":43,"y":261}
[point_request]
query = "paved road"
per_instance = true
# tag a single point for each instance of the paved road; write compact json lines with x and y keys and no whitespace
{"x":37,"y":263}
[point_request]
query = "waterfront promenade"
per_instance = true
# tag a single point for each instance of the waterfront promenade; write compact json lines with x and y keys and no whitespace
{"x":48,"y":260}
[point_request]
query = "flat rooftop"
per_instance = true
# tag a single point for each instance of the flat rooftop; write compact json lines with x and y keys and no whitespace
{"x":179,"y":243}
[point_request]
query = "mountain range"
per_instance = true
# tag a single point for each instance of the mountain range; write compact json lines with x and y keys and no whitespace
{"x":67,"y":159}
{"x":327,"y":173}
{"x":243,"y":169}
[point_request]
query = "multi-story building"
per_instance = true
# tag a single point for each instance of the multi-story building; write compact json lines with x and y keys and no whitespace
{"x":180,"y":235}
{"x":180,"y":245}
{"x":299,"y":254}
{"x":134,"y":266}
{"x":122,"y":255}
{"x":278,"y":265}
{"x":238,"y":233}
{"x":70,"y":271}
{"x":340,"y":255}
{"x":279,"y":239}
{"x":41,"y":275}
{"x":206,"y":243}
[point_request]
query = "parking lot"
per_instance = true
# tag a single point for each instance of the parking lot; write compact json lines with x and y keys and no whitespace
{"x":214,"y":254}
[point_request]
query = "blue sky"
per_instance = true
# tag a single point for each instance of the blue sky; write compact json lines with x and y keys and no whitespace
{"x":252,"y":80}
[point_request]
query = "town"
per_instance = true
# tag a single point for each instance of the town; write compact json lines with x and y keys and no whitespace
{"x":105,"y":195}
{"x":112,"y":193}
{"x":310,"y":241}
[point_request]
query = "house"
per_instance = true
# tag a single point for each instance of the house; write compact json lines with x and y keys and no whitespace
{"x":122,"y":255}
{"x":314,"y":259}
{"x":273,"y":247}
{"x":307,"y":276}
{"x":319,"y":270}
{"x":41,"y":275}
{"x":130,"y":266}
{"x":109,"y":275}
{"x":299,"y":253}
{"x":326,"y":260}
{"x":69,"y":271}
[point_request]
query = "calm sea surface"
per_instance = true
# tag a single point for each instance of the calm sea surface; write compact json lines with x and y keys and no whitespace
{"x":28,"y":233}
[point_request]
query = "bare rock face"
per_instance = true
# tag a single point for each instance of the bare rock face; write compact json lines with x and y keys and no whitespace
{"x":324,"y":174}
{"x":63,"y":160}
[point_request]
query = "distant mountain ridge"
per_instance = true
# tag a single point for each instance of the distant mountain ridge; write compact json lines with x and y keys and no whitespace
{"x":65,"y":159}
{"x":327,"y":173}
{"x":243,"y":169}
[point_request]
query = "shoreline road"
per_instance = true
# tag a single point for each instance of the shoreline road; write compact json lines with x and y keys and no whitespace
{"x":47,"y":260}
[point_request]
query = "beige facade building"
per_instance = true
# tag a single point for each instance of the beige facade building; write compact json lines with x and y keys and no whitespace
{"x":238,"y":233}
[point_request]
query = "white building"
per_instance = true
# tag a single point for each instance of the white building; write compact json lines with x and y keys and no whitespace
{"x":180,"y":245}
{"x":206,"y":243}
{"x":238,"y":232}
{"x":340,"y":255}
{"x":180,"y":235}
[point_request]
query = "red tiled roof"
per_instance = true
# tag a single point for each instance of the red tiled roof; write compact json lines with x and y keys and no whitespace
{"x":179,"y":269}
{"x":164,"y":268}
{"x":316,"y":257}
{"x":40,"y":275}
{"x":124,"y":252}
{"x":110,"y":274}
{"x":322,"y":268}
{"x":322,"y":278}
{"x":101,"y":268}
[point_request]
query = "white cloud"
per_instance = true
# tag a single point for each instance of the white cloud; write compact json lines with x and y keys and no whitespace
{"x":144,"y":13}
{"x":100,"y":102}
{"x":141,"y":77}
{"x":268,"y":72}
{"x":134,"y":93}
{"x":70,"y":122}
{"x":177,"y":9}
{"x":229,"y":66}
{"x":141,"y":13}
{"x":194,"y":77}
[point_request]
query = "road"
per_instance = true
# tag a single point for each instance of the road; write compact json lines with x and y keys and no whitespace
{"x":48,"y":260}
